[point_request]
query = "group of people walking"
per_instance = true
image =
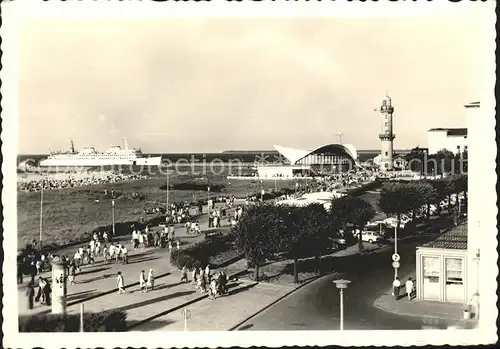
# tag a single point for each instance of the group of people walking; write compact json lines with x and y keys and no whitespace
{"x":203,"y":280}
{"x":146,"y":283}
{"x":43,"y":295}
{"x":396,"y":288}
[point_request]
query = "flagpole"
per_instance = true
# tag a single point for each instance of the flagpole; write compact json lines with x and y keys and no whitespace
{"x":41,"y":213}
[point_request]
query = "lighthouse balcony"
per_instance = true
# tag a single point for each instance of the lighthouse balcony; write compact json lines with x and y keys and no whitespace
{"x":386,"y":136}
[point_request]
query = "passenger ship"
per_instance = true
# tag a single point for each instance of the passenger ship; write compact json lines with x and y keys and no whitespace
{"x":88,"y":156}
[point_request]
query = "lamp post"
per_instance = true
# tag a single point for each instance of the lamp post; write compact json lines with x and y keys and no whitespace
{"x":41,"y":213}
{"x":168,"y":188}
{"x":341,"y":284}
{"x":396,"y":246}
{"x":113,"y":216}
{"x":186,"y":314}
{"x":208,"y":200}
{"x":261,"y":191}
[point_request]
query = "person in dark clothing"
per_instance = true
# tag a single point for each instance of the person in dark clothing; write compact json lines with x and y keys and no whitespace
{"x":33,"y":272}
{"x":30,"y":293}
{"x":46,"y":292}
{"x":20,"y":267}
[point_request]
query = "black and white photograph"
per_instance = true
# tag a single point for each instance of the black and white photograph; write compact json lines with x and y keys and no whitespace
{"x":321,"y":173}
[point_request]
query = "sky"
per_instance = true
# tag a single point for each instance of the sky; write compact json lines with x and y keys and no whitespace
{"x":209,"y":85}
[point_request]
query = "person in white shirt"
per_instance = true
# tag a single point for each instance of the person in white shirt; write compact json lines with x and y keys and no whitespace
{"x":124,"y":255}
{"x":120,"y":283}
{"x":141,"y":239}
{"x":396,"y":285}
{"x":78,"y":259}
{"x":135,"y":239}
{"x":409,"y":288}
{"x":117,"y":253}
{"x":105,"y":253}
{"x":111,"y":251}
{"x":151,"y":280}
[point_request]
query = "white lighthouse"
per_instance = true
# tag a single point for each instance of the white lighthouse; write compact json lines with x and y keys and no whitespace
{"x":386,"y":136}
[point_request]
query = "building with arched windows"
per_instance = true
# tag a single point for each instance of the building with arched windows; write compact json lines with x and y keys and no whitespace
{"x":329,"y":159}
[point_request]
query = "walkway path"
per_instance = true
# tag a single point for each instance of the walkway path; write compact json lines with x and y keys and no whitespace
{"x":223,"y":313}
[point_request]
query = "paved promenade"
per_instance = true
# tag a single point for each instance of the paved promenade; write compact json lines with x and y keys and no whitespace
{"x":430,"y":312}
{"x":244,"y":299}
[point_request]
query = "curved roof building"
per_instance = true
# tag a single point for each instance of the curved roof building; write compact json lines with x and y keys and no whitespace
{"x":327,"y":159}
{"x":327,"y":152}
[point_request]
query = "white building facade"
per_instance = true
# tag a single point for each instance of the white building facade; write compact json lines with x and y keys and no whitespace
{"x":451,"y":139}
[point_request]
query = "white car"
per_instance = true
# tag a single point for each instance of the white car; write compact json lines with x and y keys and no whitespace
{"x":391,"y":221}
{"x":368,"y":236}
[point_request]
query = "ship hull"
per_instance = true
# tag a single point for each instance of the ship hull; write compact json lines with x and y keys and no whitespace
{"x":151,"y":161}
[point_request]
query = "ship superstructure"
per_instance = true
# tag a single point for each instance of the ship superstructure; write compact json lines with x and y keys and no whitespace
{"x":89,"y":156}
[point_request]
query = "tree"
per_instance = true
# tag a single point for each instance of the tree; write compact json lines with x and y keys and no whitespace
{"x":428,"y":193}
{"x":450,"y":188}
{"x":340,"y":213}
{"x":304,"y":232}
{"x":255,"y":234}
{"x":440,"y":193}
{"x":353,"y":210}
{"x":445,"y":161}
{"x":396,"y":199}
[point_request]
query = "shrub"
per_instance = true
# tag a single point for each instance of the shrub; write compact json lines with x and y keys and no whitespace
{"x":106,"y":321}
{"x":180,"y":259}
{"x":198,"y":255}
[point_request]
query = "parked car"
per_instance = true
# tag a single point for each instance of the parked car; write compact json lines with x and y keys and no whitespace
{"x":392,"y":221}
{"x":368,"y":236}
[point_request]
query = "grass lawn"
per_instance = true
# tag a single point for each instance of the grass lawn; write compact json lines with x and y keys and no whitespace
{"x":68,"y":214}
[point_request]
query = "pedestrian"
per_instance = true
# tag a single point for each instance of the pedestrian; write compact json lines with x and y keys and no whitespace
{"x":135,"y":239}
{"x":172,"y":232}
{"x":72,"y":273}
{"x":141,"y":239}
{"x":38,"y":267}
{"x":117,"y":250}
{"x":120,"y":283}
{"x":20,"y":267}
{"x":30,"y":293}
{"x":396,"y":285}
{"x":194,"y":275}
{"x":151,"y":280}
{"x":409,"y":288}
{"x":178,"y":245}
{"x":46,"y":293}
{"x":105,"y":253}
{"x":142,"y":282}
{"x":124,"y":254}
{"x":170,"y":246}
{"x":202,"y":284}
{"x":184,"y":276}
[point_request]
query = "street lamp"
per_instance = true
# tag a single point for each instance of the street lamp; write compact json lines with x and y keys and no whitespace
{"x":113,"y":215}
{"x":168,"y":188}
{"x":41,"y":213}
{"x":208,"y":200}
{"x":341,"y":284}
{"x":261,"y":191}
{"x":396,"y":246}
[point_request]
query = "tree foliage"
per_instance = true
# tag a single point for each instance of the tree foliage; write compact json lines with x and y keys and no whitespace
{"x":257,"y":233}
{"x":351,"y":210}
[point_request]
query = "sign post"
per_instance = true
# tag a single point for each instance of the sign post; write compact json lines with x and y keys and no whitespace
{"x":59,"y":286}
{"x":187,"y":315}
